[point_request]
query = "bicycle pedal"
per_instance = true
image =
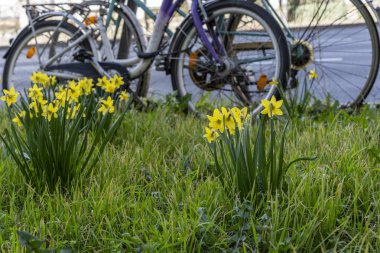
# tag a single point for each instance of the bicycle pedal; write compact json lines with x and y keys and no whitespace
{"x":161,"y":64}
{"x":83,"y":55}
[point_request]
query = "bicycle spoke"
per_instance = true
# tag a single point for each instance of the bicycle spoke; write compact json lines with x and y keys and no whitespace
{"x":322,"y":88}
{"x":342,"y":77}
{"x":326,"y":27}
{"x":349,"y":73}
{"x":337,"y":83}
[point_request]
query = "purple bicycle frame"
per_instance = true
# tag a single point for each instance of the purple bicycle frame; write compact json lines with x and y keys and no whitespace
{"x":164,"y":14}
{"x":167,"y":10}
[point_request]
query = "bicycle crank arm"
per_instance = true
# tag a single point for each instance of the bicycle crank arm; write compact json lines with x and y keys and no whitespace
{"x":84,"y":69}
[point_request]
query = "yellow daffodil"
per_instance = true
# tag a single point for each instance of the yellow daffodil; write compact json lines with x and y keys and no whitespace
{"x":210,"y":135}
{"x":102,"y":82}
{"x":229,"y":120}
{"x":236,"y":112}
{"x":17,"y":118}
{"x":33,"y":107}
{"x":272,"y":107}
{"x":216,"y":121}
{"x":123,"y":96}
{"x":244,"y":114}
{"x":106,"y":105}
{"x":10,"y":96}
{"x":312,"y":75}
{"x":42,"y":101}
{"x":274,"y":82}
{"x":40,"y":78}
{"x":35,"y":93}
{"x":86,"y":85}
{"x":61,"y":96}
{"x":74,"y":91}
{"x":237,"y":115}
{"x":110,"y":87}
{"x":52,"y":80}
{"x":117,"y":80}
{"x":50,"y":111}
{"x":17,"y":121}
{"x":60,"y":99}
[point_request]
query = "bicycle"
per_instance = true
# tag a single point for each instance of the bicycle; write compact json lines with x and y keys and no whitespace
{"x":223,"y":40}
{"x":347,"y":70}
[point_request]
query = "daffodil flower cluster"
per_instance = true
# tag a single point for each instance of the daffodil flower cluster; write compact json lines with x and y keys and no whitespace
{"x":110,"y":85}
{"x":48,"y":100}
{"x":43,"y":79}
{"x":225,"y":120}
{"x":63,"y":128}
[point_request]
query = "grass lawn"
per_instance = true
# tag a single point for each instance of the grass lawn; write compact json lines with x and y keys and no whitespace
{"x":153,"y":192}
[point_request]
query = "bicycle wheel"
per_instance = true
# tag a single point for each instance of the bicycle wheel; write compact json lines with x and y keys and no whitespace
{"x":19,"y":67}
{"x":124,"y":38}
{"x":30,"y":52}
{"x":256,"y":49}
{"x":338,"y":39}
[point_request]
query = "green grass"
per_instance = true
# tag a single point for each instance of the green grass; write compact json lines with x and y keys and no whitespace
{"x":153,"y":192}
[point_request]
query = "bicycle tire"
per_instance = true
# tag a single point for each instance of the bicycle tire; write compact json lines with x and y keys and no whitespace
{"x":344,"y":42}
{"x":272,"y":31}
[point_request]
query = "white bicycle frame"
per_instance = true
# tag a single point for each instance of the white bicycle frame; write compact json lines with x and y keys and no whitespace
{"x":137,"y":65}
{"x":87,"y":34}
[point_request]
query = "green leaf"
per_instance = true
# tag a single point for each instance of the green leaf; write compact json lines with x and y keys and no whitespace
{"x":298,"y":160}
{"x":24,"y":237}
{"x":280,"y":168}
{"x":29,"y":241}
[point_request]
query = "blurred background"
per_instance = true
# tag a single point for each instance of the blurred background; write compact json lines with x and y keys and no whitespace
{"x":13,"y":17}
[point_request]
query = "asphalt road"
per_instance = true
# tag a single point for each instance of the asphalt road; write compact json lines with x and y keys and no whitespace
{"x":341,"y":61}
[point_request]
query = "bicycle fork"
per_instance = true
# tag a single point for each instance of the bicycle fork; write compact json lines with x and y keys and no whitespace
{"x":202,"y":34}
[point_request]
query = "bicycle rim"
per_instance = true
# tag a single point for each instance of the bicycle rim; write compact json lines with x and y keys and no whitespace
{"x":21,"y":63}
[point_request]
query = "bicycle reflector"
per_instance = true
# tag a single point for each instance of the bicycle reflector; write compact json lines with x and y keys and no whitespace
{"x":90,"y":20}
{"x":30,"y":52}
{"x":192,"y":60}
{"x":262,"y":82}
